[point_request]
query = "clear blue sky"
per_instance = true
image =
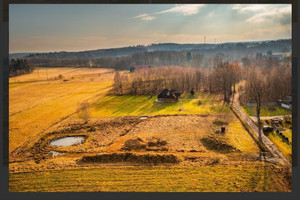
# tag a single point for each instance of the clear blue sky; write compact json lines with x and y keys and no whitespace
{"x":45,"y":28}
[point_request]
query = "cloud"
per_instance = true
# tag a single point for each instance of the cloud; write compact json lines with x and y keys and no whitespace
{"x":186,"y":10}
{"x":265,"y":12}
{"x":145,"y":17}
{"x":252,"y":7}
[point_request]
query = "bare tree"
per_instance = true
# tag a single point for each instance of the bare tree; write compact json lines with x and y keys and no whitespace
{"x":256,"y":88}
{"x":118,"y":83}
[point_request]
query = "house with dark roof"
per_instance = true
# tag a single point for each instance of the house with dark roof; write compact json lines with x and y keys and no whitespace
{"x":168,"y":95}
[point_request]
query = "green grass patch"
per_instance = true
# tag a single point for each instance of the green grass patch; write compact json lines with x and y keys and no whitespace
{"x":135,"y":105}
{"x":284,"y":147}
{"x":219,"y":178}
{"x":266,"y":110}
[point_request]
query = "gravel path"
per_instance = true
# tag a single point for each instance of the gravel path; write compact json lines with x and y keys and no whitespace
{"x":278,"y":156}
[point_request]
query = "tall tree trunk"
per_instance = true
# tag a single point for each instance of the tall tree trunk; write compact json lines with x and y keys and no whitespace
{"x":258,"y":118}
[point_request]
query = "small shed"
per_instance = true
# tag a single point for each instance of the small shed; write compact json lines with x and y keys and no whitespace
{"x":286,"y":103}
{"x":168,"y":95}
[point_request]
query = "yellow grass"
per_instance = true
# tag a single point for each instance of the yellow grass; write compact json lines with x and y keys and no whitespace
{"x":220,"y":178}
{"x":35,"y":106}
{"x":285,"y":148}
{"x":38,"y":106}
{"x":135,"y":105}
{"x":40,"y":74}
{"x":240,"y":138}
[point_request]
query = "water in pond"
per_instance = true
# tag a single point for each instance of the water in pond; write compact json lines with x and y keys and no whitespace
{"x":68,"y":141}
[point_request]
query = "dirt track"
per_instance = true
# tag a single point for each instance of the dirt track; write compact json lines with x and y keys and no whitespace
{"x":278,"y":156}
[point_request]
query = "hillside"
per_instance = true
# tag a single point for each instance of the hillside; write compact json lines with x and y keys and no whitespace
{"x":230,"y":48}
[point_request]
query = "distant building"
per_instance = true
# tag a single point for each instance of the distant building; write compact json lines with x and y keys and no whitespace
{"x":168,"y":95}
{"x":286,"y":103}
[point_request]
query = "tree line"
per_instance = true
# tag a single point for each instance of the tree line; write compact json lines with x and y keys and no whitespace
{"x":221,"y":76}
{"x":157,"y":58}
{"x":44,"y":61}
{"x":266,"y":84}
{"x":19,"y":66}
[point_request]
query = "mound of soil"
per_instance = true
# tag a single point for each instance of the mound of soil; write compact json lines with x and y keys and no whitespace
{"x":156,"y":142}
{"x":139,"y":144}
{"x":152,"y":159}
{"x":213,"y":161}
{"x":218,"y":145}
{"x":134,"y":144}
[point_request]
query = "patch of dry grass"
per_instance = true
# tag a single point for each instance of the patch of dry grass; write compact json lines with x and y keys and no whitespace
{"x":35,"y":106}
{"x":218,"y":178}
{"x":42,"y":74}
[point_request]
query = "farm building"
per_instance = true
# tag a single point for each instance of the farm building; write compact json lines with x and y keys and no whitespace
{"x":287,"y":103}
{"x":168,"y":95}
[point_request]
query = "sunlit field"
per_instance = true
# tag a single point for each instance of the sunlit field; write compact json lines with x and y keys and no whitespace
{"x":36,"y":105}
{"x":42,"y":110}
{"x":254,"y":178}
{"x":267,"y":111}
{"x":200,"y":103}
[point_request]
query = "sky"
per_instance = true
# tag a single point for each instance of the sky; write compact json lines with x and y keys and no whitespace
{"x":71,"y":27}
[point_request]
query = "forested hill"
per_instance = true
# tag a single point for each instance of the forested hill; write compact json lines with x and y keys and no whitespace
{"x":237,"y":49}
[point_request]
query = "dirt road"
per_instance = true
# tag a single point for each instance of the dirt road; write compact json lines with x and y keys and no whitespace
{"x":278,"y":156}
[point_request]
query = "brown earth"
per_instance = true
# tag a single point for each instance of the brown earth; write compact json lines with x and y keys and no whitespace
{"x":187,"y":137}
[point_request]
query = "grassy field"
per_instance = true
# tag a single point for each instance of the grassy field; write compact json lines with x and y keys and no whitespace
{"x":132,"y":105}
{"x":43,"y":107}
{"x":219,"y":178}
{"x":35,"y":106}
{"x":43,"y":74}
{"x":284,"y":147}
{"x":267,"y":111}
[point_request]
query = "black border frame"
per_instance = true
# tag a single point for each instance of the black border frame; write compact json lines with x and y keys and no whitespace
{"x":4,"y":35}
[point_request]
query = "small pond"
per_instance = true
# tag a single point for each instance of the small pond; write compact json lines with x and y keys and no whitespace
{"x":68,"y":141}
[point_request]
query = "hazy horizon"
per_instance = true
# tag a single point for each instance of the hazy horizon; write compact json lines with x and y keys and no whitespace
{"x":151,"y":44}
{"x":72,"y":28}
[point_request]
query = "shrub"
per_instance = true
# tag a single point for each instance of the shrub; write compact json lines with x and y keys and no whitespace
{"x":83,"y":110}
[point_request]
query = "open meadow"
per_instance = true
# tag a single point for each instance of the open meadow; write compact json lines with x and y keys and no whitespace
{"x":130,"y":142}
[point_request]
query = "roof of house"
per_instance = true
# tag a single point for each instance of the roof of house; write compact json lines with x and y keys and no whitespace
{"x":286,"y":101}
{"x":167,"y":93}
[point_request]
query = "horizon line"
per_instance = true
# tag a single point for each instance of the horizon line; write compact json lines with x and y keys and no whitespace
{"x":149,"y":45}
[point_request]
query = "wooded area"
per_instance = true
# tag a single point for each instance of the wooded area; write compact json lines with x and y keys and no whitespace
{"x":221,"y":76}
{"x":19,"y":67}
